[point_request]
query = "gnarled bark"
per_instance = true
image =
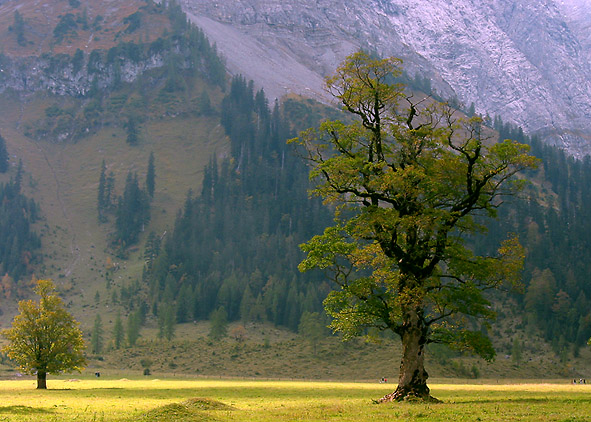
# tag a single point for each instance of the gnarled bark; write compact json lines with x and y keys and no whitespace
{"x":412,"y":380}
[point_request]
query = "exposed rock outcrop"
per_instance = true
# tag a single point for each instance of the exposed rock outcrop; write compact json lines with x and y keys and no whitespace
{"x":528,"y":62}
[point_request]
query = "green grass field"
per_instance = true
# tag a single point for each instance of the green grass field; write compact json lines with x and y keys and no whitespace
{"x":239,"y":400}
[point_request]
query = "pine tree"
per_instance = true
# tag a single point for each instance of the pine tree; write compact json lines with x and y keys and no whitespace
{"x":133,"y":211}
{"x":132,"y":131}
{"x":151,"y":176}
{"x":18,"y":179}
{"x":96,"y":340}
{"x":102,"y":203}
{"x":166,"y":321}
{"x":3,"y":156}
{"x":118,"y":334}
{"x":133,"y":328}
{"x":18,"y":27}
{"x":218,"y":324}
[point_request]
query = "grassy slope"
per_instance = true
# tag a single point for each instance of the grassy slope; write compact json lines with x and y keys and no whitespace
{"x":41,"y":17}
{"x":63,"y":178}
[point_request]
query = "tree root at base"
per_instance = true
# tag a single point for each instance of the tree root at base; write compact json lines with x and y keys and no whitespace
{"x":407,"y":396}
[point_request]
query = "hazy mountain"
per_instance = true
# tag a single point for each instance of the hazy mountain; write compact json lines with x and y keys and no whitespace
{"x":526,"y":61}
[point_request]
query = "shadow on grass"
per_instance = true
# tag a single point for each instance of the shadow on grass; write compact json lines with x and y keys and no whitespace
{"x":533,"y":400}
{"x":23,"y":410}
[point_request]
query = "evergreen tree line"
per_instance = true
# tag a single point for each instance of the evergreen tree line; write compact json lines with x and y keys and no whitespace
{"x":235,"y":245}
{"x":554,"y":224}
{"x":131,"y":209}
{"x":18,"y":241}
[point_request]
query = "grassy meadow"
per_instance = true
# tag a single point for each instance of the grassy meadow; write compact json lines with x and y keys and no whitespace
{"x":243,"y":400}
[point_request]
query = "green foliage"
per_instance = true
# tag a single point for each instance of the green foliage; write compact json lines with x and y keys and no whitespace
{"x":407,"y":177}
{"x":18,"y":27}
{"x":552,"y":220}
{"x":133,"y":212}
{"x":4,"y":157}
{"x":65,"y":28}
{"x":151,"y":176}
{"x":96,"y":339}
{"x":102,"y":199}
{"x":77,"y":61}
{"x":133,"y":21}
{"x":516,"y":350}
{"x":166,"y":321}
{"x":132,"y":130}
{"x":44,"y":337}
{"x":134,"y":325}
{"x":312,"y":328}
{"x":118,"y":333}
{"x":236,"y":244}
{"x":218,"y":324}
{"x":18,"y":241}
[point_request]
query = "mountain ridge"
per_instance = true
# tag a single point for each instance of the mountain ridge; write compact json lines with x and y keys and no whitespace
{"x":527,"y":63}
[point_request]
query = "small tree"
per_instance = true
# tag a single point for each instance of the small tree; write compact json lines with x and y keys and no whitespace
{"x":96,"y":339}
{"x":408,"y":176}
{"x":44,"y":337}
{"x":134,"y":324}
{"x":312,"y":328}
{"x":132,"y":130}
{"x":101,"y":200}
{"x":18,"y":27}
{"x":118,"y":334}
{"x":166,"y":321}
{"x":151,"y":176}
{"x":3,"y":156}
{"x":218,"y":323}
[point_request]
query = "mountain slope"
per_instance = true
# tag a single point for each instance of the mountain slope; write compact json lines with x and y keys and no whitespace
{"x":526,"y":62}
{"x":62,"y":128}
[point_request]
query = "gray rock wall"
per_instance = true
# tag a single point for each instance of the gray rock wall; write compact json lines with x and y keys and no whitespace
{"x":527,"y":61}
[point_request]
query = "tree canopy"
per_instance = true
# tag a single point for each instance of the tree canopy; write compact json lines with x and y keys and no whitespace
{"x":44,"y":337}
{"x":407,"y":177}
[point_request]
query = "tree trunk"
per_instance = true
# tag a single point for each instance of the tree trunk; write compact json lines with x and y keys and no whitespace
{"x":41,"y":380}
{"x":412,"y":380}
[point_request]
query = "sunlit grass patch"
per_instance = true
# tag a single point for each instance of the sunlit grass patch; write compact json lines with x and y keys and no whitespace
{"x":251,"y":400}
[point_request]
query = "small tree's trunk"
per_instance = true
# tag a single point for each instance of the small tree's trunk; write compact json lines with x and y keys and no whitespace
{"x":412,"y":380}
{"x":41,"y":380}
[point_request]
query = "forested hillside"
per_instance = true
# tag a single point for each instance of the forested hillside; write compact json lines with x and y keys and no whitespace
{"x":554,"y":224}
{"x":235,"y":243}
{"x":122,"y":152}
{"x":144,"y":100}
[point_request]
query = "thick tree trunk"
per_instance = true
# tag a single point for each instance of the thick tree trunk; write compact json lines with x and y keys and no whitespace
{"x":41,"y":380}
{"x":412,"y":380}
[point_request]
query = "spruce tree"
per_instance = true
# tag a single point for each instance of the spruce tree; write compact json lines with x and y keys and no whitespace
{"x":133,"y":328}
{"x":18,"y":27}
{"x":132,"y":130}
{"x":218,"y":324}
{"x":151,"y":176}
{"x":3,"y":156}
{"x":101,"y":198}
{"x":118,"y":334}
{"x":96,"y":340}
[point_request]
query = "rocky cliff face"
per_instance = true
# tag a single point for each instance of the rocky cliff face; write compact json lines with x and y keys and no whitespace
{"x":59,"y":75}
{"x":526,"y":61}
